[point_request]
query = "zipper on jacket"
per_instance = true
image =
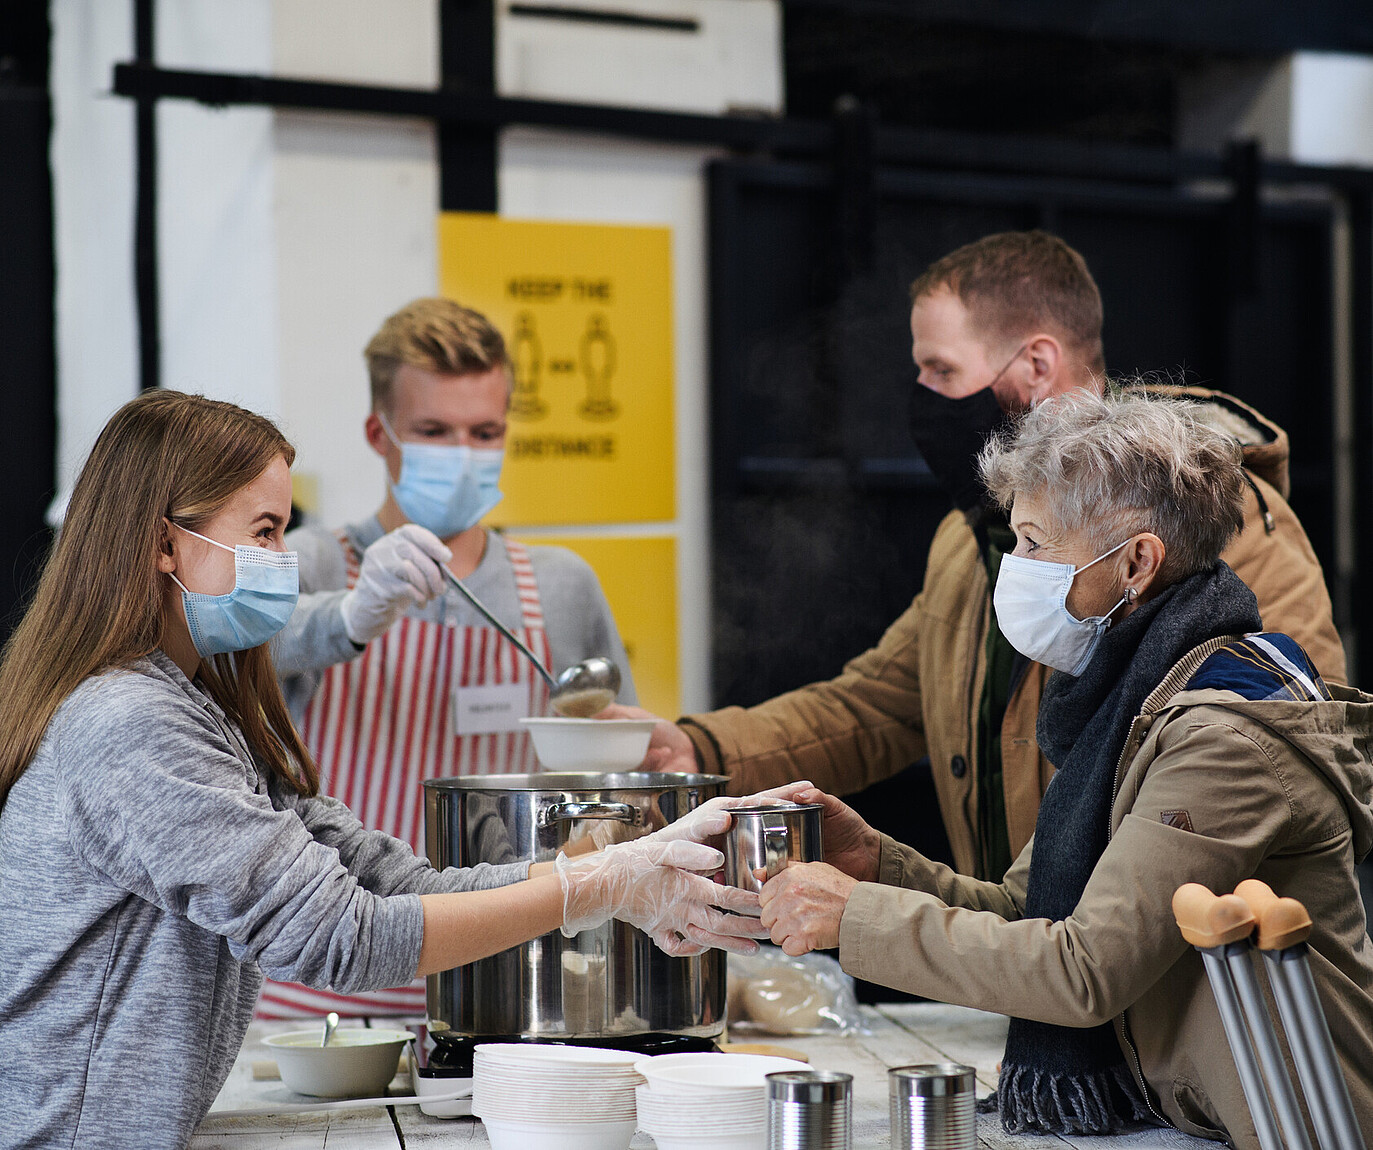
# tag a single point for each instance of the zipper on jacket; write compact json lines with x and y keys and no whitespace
{"x":1137,"y":1071}
{"x":972,"y":709}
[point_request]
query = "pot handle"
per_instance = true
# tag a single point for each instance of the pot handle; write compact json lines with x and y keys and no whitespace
{"x":561,"y":812}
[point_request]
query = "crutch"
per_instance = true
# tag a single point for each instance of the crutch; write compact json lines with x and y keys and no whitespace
{"x":1284,"y":927}
{"x":1219,"y":927}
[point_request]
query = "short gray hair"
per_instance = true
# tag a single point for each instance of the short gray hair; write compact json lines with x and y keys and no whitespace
{"x":1109,"y":467}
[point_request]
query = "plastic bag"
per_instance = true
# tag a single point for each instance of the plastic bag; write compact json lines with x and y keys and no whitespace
{"x":771,"y":993}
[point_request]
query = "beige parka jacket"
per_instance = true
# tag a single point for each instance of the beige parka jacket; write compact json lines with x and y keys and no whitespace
{"x":917,"y":692}
{"x":1211,"y":788}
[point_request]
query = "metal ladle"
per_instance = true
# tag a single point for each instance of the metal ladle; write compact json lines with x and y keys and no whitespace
{"x":584,"y":689}
{"x":330,"y":1022}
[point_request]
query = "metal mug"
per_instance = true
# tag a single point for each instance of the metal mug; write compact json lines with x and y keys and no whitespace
{"x":769,"y":838}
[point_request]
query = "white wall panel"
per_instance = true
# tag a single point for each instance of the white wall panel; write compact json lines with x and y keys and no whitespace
{"x":215,"y":265}
{"x":356,"y":211}
{"x":711,"y":56}
{"x":215,"y":235}
{"x":93,"y":201}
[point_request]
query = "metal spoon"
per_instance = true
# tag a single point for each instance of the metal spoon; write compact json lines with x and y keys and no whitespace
{"x":581,"y":691}
{"x":330,"y":1022}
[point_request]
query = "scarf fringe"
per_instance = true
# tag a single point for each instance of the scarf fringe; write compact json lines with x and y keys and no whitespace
{"x":1036,"y":1101}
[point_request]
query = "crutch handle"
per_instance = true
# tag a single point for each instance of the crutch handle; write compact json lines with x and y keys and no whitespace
{"x":1209,"y":920}
{"x":1283,"y":922}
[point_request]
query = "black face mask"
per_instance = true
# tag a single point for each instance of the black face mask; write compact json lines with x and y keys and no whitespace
{"x":950,"y":433}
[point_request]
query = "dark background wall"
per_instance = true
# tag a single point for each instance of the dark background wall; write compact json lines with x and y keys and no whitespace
{"x":823,"y":509}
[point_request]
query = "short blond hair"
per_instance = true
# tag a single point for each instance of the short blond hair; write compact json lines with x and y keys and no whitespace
{"x":1017,"y":283}
{"x":437,"y":335}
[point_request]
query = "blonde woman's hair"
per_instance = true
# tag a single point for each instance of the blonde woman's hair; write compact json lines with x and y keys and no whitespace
{"x":1110,"y":467}
{"x":99,"y":602}
{"x":434,"y":334}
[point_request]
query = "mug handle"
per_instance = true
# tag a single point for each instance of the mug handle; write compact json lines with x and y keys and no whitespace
{"x":776,"y":849}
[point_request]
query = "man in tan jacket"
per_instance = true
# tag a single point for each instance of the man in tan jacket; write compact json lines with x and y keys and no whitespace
{"x":996,"y":326}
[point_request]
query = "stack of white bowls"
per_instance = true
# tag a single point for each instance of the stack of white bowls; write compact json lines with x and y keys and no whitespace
{"x":544,"y":1097}
{"x":707,"y":1101}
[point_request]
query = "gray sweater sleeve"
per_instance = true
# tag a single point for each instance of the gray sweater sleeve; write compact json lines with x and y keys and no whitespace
{"x":386,"y":865}
{"x":176,"y":817}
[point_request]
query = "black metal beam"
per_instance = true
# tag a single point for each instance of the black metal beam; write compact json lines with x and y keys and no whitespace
{"x":468,"y":153}
{"x":145,"y":207}
{"x":783,"y":136}
{"x":475,"y":108}
{"x":1263,"y":27}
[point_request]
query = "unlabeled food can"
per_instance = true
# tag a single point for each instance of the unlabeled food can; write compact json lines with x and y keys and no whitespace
{"x":810,"y":1110}
{"x":932,"y":1107}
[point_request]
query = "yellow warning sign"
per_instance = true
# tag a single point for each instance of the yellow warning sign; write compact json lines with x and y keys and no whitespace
{"x":639,"y":577}
{"x":586,"y":310}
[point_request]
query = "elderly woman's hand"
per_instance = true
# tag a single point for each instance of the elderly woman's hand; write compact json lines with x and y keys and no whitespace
{"x":803,"y":906}
{"x":850,"y":844}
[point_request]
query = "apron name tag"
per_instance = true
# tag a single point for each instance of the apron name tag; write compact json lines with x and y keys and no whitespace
{"x":490,"y":710}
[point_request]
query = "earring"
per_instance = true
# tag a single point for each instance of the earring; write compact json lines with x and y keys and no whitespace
{"x":1131,"y":594}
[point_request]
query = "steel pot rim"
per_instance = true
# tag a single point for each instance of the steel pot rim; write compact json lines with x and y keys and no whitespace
{"x":574,"y":781}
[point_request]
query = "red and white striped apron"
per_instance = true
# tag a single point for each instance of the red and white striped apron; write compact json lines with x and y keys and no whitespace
{"x":382,"y":723}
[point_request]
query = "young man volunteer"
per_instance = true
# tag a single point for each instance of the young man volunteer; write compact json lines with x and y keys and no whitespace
{"x":392,"y":677}
{"x":996,"y":326}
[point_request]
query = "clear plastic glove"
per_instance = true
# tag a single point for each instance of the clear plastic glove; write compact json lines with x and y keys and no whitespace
{"x":662,"y":888}
{"x":712,"y":818}
{"x":400,"y":570}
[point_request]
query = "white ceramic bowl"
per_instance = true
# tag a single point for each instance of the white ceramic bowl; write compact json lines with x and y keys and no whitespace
{"x":358,"y":1062}
{"x":509,"y":1134}
{"x":589,"y":744}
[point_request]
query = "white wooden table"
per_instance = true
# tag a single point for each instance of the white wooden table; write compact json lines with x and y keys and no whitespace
{"x":898,"y":1034}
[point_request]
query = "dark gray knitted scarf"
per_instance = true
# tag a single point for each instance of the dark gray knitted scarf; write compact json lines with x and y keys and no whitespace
{"x":1067,"y":1080}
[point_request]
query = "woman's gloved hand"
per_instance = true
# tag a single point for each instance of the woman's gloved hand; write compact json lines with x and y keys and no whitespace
{"x":662,"y":888}
{"x":699,"y":825}
{"x":712,"y":818}
{"x":400,"y":570}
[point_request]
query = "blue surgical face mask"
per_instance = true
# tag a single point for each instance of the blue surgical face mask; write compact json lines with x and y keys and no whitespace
{"x":1031,"y":601}
{"x":444,"y":488}
{"x":266,"y":584}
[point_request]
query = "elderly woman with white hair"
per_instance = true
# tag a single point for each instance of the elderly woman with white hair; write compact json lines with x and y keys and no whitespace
{"x":1189,"y":747}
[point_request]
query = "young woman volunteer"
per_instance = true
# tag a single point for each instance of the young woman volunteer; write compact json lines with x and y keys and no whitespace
{"x":161,"y":839}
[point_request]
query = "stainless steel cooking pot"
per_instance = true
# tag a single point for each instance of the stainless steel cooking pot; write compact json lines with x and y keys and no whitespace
{"x":609,"y":981}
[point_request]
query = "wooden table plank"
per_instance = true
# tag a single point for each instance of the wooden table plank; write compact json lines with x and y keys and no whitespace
{"x":974,"y":1038}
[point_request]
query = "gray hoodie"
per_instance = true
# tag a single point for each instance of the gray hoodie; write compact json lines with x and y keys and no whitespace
{"x":149,"y":874}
